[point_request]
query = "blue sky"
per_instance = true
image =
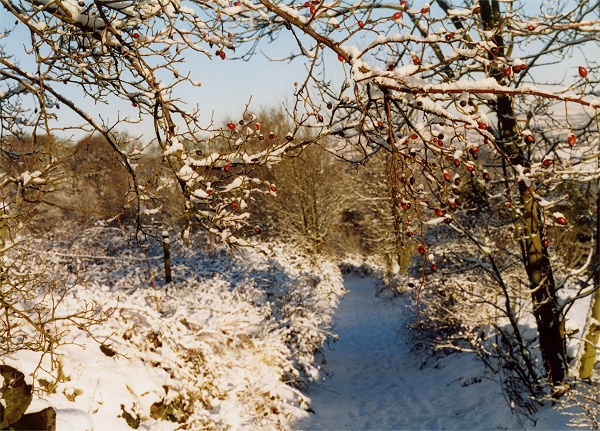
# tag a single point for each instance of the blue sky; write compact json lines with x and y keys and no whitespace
{"x":227,"y":85}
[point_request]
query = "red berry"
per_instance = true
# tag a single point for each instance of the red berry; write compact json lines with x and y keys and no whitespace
{"x":237,"y":3}
{"x":424,"y":10}
{"x":221,"y":54}
{"x":405,"y":205}
{"x":234,"y":205}
{"x":136,"y":35}
{"x":361,"y":24}
{"x":530,"y":139}
{"x":470,"y":168}
{"x":456,"y":162}
{"x":271,"y":135}
{"x":449,"y":36}
{"x":548,"y":162}
{"x":403,"y":3}
{"x":273,"y":188}
{"x":231,"y":125}
{"x":531,"y":27}
{"x":457,"y":181}
{"x":439,"y":212}
{"x":508,"y":71}
{"x":582,"y":71}
{"x":416,"y":60}
{"x":414,"y":136}
{"x":572,"y":140}
{"x":257,"y":229}
{"x":409,"y":234}
{"x":421,"y":249}
{"x":486,"y":175}
{"x":312,"y":10}
{"x":482,"y":125}
{"x":340,"y":57}
{"x":257,"y":126}
{"x":447,"y":176}
{"x":397,"y":15}
{"x":227,"y":167}
{"x":477,"y":9}
{"x":474,"y":152}
{"x":560,"y":219}
{"x":434,"y":267}
{"x":545,"y":243}
{"x":307,"y":4}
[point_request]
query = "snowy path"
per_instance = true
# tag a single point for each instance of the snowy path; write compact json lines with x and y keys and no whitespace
{"x":376,"y":383}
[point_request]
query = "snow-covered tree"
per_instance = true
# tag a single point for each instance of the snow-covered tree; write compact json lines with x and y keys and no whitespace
{"x":437,"y":85}
{"x":433,"y":85}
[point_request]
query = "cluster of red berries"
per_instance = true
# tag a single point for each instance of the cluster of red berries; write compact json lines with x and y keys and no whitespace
{"x":517,"y":68}
{"x":311,"y":6}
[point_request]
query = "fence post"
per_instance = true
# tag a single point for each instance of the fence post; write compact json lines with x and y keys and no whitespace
{"x":167,"y":254}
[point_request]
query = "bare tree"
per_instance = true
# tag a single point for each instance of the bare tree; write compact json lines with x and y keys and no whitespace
{"x":311,"y":188}
{"x":436,"y":86}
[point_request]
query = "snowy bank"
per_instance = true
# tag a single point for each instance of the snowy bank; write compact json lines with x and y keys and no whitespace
{"x":227,"y":345}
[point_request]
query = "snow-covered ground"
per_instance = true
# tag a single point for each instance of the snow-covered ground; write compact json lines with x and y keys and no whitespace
{"x":230,"y":344}
{"x":227,"y":345}
{"x":377,"y":382}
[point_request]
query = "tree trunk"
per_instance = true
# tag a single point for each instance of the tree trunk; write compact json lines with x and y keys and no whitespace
{"x":591,"y":337}
{"x":541,"y":281}
{"x":591,"y":333}
{"x":535,"y":256}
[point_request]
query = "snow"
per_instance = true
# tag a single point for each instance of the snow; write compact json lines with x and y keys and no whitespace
{"x":175,"y":147}
{"x":73,"y":420}
{"x":230,"y":344}
{"x":377,"y":380}
{"x":227,"y":343}
{"x":377,"y":383}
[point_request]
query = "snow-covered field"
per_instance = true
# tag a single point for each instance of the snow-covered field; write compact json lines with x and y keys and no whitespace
{"x":227,"y":345}
{"x":231,"y":343}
